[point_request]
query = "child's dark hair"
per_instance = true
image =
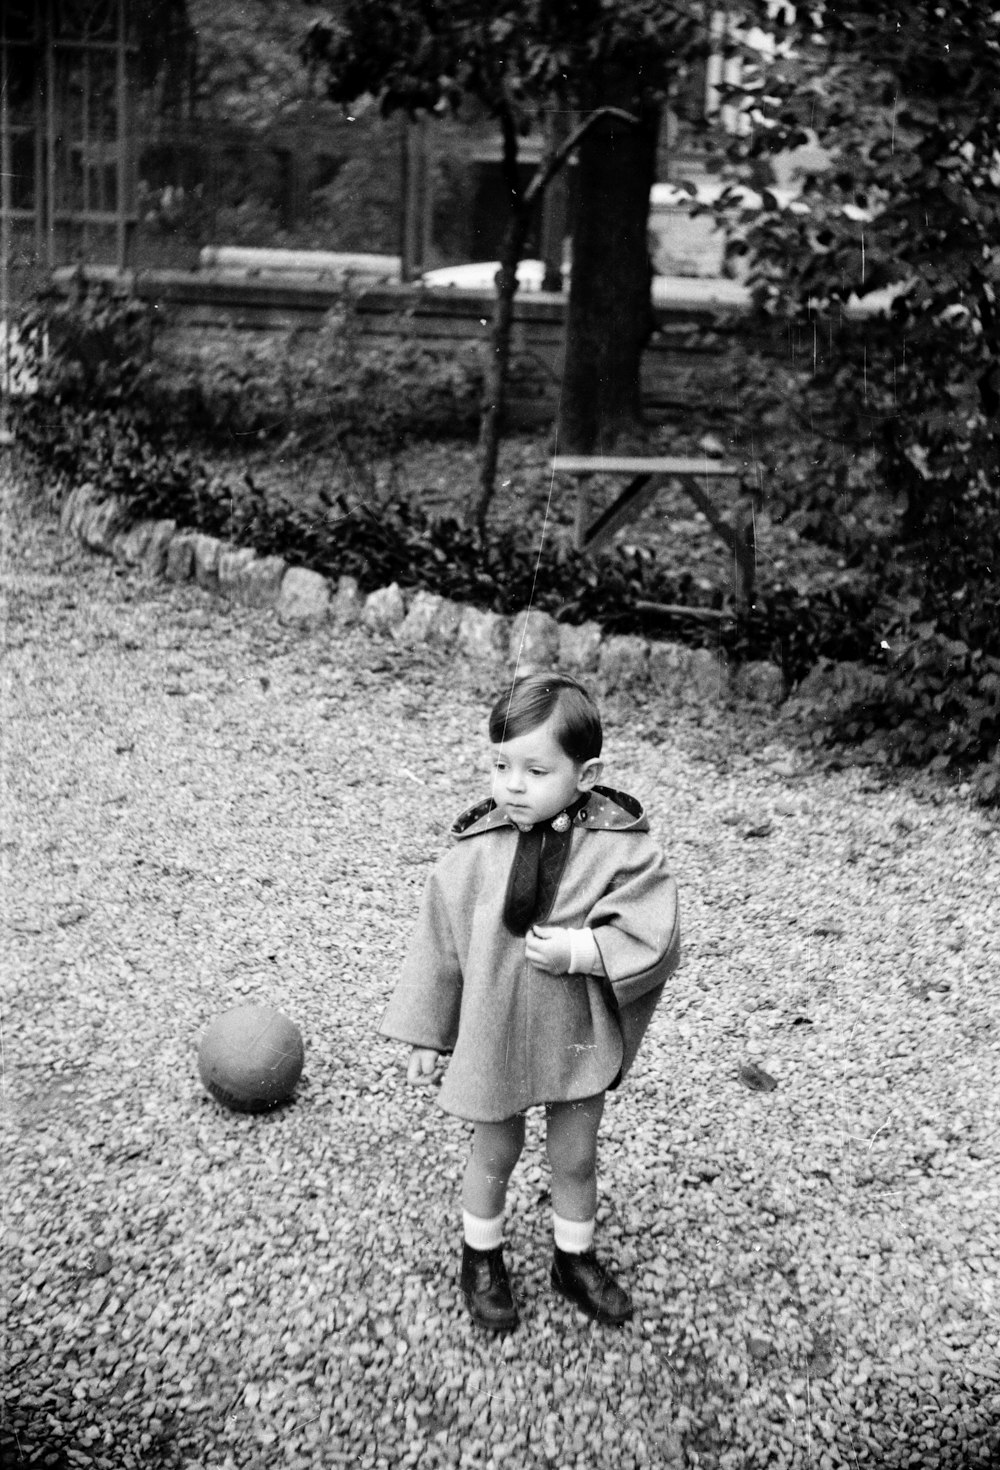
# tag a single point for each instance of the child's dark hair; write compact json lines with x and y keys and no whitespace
{"x":531,"y":701}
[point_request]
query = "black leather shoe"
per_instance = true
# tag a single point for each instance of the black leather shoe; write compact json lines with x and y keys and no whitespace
{"x":486,"y":1287}
{"x":591,"y":1286}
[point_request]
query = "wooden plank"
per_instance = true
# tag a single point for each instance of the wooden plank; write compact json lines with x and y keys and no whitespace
{"x":680,"y":610}
{"x":670,"y":464}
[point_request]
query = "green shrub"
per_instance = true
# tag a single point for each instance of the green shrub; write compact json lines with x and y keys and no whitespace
{"x":96,"y":346}
{"x":327,"y":388}
{"x":396,"y":541}
{"x":936,"y":705}
{"x":903,"y":201}
{"x":933,"y":630}
{"x":108,"y":448}
{"x":92,"y":345}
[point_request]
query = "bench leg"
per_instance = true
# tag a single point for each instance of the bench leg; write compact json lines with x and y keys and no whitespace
{"x":738,"y":536}
{"x":637,"y":494}
{"x":583,"y":503}
{"x":744,"y":555}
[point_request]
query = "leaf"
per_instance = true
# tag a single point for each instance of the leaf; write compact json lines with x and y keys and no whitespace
{"x":99,"y":1264}
{"x":755,"y":1078}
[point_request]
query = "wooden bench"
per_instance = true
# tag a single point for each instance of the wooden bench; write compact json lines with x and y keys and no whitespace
{"x":645,"y":477}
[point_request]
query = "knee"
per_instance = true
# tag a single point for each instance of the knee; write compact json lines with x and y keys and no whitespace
{"x":573,"y":1157}
{"x":499,"y":1151}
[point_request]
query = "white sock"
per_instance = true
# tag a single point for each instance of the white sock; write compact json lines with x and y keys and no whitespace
{"x":575,"y":1236}
{"x":482,"y":1235}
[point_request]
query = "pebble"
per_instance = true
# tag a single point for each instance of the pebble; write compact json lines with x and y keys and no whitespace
{"x":290,"y":1282}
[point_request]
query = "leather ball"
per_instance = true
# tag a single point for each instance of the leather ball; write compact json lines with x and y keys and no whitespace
{"x":250,"y":1058}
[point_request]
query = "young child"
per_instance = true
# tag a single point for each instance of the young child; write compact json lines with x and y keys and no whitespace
{"x":545,"y":938}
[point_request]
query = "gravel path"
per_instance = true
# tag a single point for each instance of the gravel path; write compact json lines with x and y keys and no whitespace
{"x":204,"y":808}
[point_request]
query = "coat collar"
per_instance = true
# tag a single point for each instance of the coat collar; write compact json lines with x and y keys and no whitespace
{"x":606,"y":811}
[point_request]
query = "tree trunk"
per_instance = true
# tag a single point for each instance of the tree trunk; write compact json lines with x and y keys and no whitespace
{"x":609,"y":318}
{"x":522,"y":208}
{"x":495,"y":377}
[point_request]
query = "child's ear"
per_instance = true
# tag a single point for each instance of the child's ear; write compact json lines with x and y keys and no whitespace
{"x":590,"y":772}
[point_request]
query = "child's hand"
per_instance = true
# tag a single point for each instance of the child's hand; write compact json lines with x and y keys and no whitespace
{"x":420,"y":1070}
{"x":548,"y":949}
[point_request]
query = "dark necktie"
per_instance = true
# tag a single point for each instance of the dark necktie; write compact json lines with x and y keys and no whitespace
{"x":536,"y":870}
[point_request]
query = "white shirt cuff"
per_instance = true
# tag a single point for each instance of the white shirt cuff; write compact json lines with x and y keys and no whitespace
{"x":585,"y":957}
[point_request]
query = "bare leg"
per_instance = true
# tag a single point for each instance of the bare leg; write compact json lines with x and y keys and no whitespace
{"x":496,"y":1148}
{"x":571,"y":1143}
{"x":576,"y":1271}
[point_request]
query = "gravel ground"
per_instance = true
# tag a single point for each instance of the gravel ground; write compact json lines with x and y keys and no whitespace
{"x":204,"y":808}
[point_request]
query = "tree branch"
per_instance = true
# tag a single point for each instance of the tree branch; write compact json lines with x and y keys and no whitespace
{"x":508,"y":132}
{"x":555,"y":161}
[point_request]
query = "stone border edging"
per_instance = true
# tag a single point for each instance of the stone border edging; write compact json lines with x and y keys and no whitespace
{"x":299,"y":596}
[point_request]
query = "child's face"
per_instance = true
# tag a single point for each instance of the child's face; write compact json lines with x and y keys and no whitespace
{"x":534,"y":778}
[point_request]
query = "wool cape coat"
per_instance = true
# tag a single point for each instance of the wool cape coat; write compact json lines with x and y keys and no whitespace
{"x":517,"y":1035}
